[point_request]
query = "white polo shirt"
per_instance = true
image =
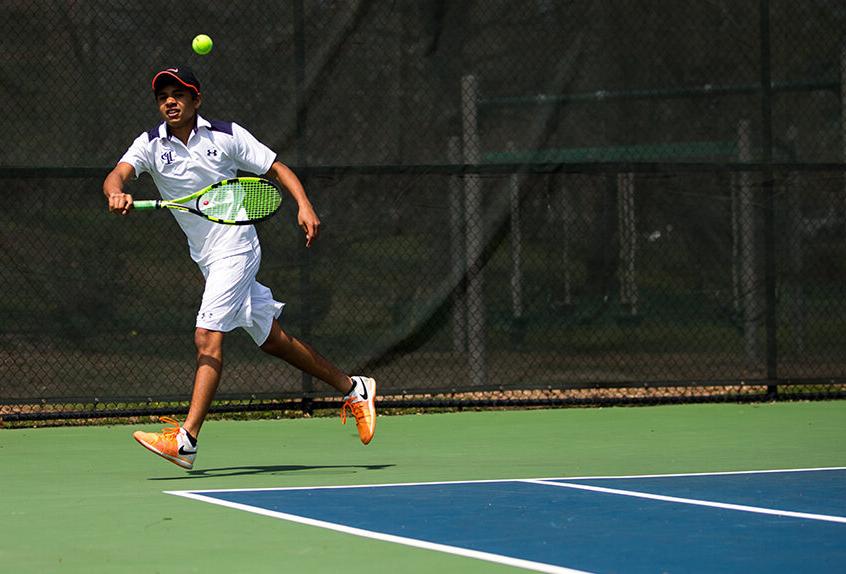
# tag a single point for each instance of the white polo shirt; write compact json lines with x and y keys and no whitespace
{"x":215,"y":151}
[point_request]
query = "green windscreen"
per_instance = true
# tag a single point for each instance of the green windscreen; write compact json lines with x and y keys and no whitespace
{"x":524,"y":202}
{"x":240,"y":201}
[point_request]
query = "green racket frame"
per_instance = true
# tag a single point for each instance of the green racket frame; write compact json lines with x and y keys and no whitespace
{"x":264,"y":197}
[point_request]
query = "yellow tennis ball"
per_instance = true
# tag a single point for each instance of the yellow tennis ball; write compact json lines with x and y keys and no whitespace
{"x":202,"y":44}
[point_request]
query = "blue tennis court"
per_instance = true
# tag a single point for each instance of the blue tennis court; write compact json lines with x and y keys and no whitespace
{"x":773,"y":521}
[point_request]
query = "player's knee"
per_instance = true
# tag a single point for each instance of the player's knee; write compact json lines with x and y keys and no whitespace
{"x":209,"y":343}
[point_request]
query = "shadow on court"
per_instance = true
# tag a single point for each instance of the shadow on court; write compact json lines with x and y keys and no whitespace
{"x":269,"y":469}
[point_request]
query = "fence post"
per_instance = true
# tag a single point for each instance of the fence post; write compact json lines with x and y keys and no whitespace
{"x":516,"y":245}
{"x":735,"y":243}
{"x":795,"y":293}
{"x":568,"y":216}
{"x":457,"y":260}
{"x":747,"y":272}
{"x":474,"y":229}
{"x":768,"y":190}
{"x":628,"y":241}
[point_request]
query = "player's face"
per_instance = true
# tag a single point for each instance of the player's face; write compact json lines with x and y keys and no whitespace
{"x":177,"y":105}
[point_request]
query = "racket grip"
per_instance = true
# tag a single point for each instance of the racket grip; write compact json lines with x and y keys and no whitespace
{"x":143,"y":204}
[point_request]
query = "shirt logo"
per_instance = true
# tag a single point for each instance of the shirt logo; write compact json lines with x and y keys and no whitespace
{"x":167,"y":157}
{"x":210,"y":152}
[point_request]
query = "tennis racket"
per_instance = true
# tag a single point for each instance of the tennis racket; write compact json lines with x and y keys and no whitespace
{"x":238,"y":201}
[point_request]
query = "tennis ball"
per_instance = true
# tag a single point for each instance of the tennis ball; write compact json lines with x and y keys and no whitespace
{"x":202,"y":44}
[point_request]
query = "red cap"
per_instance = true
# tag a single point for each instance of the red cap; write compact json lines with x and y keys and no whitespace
{"x":182,"y":75}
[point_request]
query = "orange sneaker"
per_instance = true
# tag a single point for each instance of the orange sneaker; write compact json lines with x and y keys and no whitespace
{"x":361,"y":400}
{"x":172,"y":443}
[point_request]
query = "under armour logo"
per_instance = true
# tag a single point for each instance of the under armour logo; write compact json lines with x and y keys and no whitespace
{"x":211,"y":152}
{"x":167,"y":157}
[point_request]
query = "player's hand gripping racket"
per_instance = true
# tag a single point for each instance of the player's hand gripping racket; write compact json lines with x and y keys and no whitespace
{"x":238,"y":201}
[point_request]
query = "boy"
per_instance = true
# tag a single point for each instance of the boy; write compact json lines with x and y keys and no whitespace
{"x":184,"y":154}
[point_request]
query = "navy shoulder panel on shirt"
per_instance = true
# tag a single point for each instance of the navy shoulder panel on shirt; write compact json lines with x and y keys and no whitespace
{"x":219,"y":126}
{"x":153,"y":133}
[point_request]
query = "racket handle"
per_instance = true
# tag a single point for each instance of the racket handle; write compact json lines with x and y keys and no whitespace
{"x":143,"y":204}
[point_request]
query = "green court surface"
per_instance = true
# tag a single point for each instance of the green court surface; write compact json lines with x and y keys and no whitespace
{"x":89,"y":499}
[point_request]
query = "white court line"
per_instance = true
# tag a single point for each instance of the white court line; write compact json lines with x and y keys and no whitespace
{"x":718,"y":473}
{"x":465,"y":552}
{"x":693,"y":501}
{"x":496,"y":480}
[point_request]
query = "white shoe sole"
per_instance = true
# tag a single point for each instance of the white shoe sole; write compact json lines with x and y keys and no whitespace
{"x":183,"y":463}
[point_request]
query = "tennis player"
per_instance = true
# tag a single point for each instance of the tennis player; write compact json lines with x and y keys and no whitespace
{"x":186,"y":153}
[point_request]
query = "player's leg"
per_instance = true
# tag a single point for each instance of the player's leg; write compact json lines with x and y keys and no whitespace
{"x":179,"y":444}
{"x":224,"y":307}
{"x":359,"y":392}
{"x":206,"y":377}
{"x":302,"y":356}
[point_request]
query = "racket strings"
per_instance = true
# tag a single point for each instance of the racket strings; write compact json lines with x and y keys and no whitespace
{"x":240,"y":201}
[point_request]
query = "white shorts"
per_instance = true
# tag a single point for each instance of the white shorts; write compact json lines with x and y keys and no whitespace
{"x":233,"y":298}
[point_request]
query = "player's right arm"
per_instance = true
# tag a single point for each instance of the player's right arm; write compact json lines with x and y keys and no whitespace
{"x":119,"y":202}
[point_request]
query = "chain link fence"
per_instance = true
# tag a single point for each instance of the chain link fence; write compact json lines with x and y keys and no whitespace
{"x":524,"y":202}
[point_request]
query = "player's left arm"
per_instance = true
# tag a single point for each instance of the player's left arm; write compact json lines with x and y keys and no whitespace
{"x":306,"y":218}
